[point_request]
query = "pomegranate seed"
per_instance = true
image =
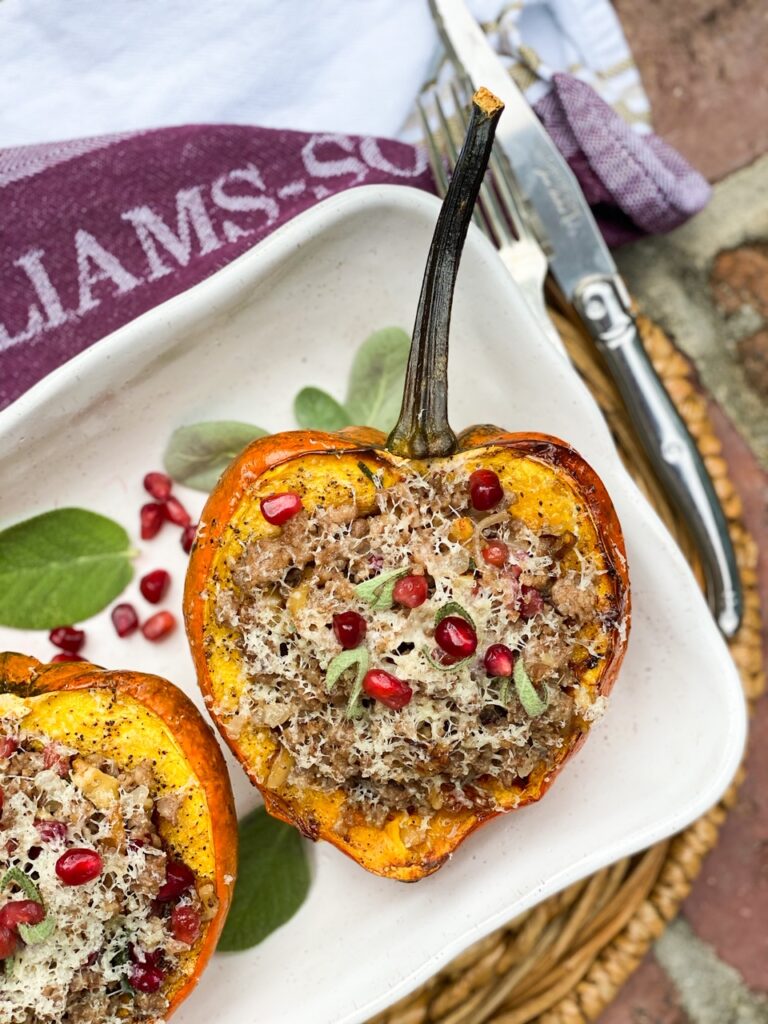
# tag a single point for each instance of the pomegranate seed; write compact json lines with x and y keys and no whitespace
{"x":188,"y":535}
{"x":485,"y":489}
{"x":124,"y":619}
{"x":176,"y":513}
{"x":158,"y":626}
{"x":499,"y":660}
{"x":158,"y":485}
{"x":442,"y":658}
{"x":8,"y":745}
{"x":411,"y":591}
{"x":456,"y":637}
{"x":67,"y":638}
{"x":185,"y":924}
{"x":152,"y":517}
{"x":21,"y":912}
{"x":66,"y":656}
{"x":178,"y":880}
{"x":8,"y":942}
{"x":78,"y":866}
{"x":387,"y":689}
{"x":51,"y":831}
{"x":495,"y":553}
{"x":146,"y":978}
{"x":531,"y":601}
{"x":55,"y":760}
{"x":349,"y":629}
{"x":279,"y":508}
{"x":154,"y":585}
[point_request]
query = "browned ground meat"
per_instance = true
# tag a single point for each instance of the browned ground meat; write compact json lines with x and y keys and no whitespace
{"x":460,"y":728}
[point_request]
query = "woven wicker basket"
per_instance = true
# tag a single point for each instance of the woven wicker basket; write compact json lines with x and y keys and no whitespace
{"x":565,"y":960}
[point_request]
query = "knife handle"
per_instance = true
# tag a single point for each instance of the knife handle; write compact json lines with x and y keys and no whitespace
{"x":604,"y":307}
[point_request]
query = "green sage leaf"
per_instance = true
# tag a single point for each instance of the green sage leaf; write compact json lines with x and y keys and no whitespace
{"x":454,"y":608}
{"x":526,"y":691}
{"x":443,"y":668}
{"x":272,"y":882}
{"x":34,"y":934}
{"x":197,"y":455}
{"x":24,"y":882}
{"x":59,"y":567}
{"x":378,"y":591}
{"x":339,"y":665}
{"x":377,"y":378}
{"x":315,"y":409}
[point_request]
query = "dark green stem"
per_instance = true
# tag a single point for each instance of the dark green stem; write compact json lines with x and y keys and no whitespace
{"x":422,"y":430}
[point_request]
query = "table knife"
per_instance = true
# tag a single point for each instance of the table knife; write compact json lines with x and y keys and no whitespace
{"x":587,"y":276}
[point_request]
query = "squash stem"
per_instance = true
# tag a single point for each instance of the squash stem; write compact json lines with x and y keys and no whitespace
{"x":422,"y":430}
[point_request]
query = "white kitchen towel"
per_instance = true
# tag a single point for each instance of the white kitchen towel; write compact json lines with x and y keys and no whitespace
{"x":74,"y":68}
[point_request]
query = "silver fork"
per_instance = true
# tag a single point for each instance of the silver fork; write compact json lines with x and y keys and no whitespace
{"x":497,"y":214}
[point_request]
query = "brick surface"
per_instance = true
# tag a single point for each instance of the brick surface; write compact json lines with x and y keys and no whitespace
{"x":729,"y":904}
{"x":648,"y":998}
{"x":703,"y":67}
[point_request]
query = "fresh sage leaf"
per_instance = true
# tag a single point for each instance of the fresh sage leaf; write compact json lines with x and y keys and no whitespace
{"x":15,"y":876}
{"x":442,"y":668}
{"x":504,"y":691}
{"x":377,"y":378}
{"x":197,"y":455}
{"x":526,"y":691}
{"x":454,"y":608}
{"x":272,"y":881}
{"x":34,"y":934}
{"x":315,"y":409}
{"x":60,"y":567}
{"x":339,"y":665}
{"x":378,"y":591}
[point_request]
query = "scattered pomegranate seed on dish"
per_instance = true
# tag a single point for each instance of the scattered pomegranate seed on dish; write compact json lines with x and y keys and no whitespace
{"x":67,"y":638}
{"x":155,"y":585}
{"x":387,"y":689}
{"x":495,"y":553}
{"x":349,"y":629}
{"x":178,"y":880}
{"x":158,"y":485}
{"x":152,"y":517}
{"x":485,"y":489}
{"x":21,"y":912}
{"x":67,"y":656}
{"x":185,"y":924}
{"x":158,"y":626}
{"x":279,"y":508}
{"x":124,"y":619}
{"x":176,"y":513}
{"x":531,"y":601}
{"x":456,"y":637}
{"x":78,"y":866}
{"x":411,"y":591}
{"x":499,"y":660}
{"x":188,"y":535}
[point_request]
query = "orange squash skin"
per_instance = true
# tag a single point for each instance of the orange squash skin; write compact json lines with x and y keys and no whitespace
{"x":24,"y":676}
{"x":233,"y":489}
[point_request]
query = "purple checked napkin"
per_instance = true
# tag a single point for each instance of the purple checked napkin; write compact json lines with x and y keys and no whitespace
{"x":96,"y":231}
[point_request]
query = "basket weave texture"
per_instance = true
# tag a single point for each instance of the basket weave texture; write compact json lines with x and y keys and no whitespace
{"x":565,"y":960}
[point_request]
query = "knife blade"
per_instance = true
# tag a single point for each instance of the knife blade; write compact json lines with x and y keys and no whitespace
{"x":581,"y":264}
